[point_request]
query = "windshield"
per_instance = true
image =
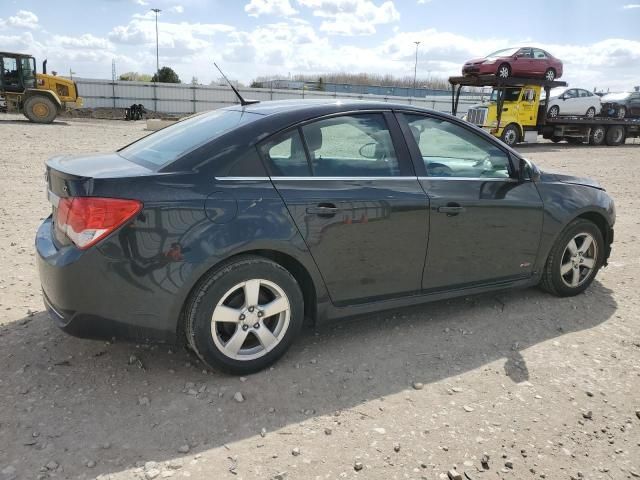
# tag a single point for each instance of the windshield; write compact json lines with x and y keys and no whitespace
{"x":507,"y":52}
{"x":510,"y":95}
{"x":169,"y":144}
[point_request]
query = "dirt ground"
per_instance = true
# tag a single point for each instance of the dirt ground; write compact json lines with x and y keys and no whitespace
{"x":546,"y":387}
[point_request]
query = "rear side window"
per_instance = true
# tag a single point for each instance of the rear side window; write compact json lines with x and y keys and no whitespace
{"x":285,"y":155}
{"x":351,"y":146}
{"x":171,"y":143}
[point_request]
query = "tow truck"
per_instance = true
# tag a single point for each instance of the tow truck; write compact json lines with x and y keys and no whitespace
{"x":515,"y":114}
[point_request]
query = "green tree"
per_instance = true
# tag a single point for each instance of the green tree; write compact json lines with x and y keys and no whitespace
{"x":135,"y":77}
{"x":166,"y":75}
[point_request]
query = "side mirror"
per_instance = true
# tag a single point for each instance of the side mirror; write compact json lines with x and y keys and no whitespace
{"x":368,"y":150}
{"x":527,"y":171}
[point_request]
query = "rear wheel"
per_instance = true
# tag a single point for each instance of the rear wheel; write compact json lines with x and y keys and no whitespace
{"x":504,"y":71}
{"x":574,"y":260}
{"x":40,"y":109}
{"x":615,"y":135}
{"x":550,"y":75}
{"x":245,"y":315}
{"x":510,"y":135}
{"x":553,"y":112}
{"x":591,"y":112}
{"x":597,"y":135}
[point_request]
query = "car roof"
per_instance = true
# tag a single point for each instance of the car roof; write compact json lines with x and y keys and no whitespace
{"x":320,"y":106}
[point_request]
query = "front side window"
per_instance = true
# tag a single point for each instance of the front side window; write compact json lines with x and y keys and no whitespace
{"x":449,"y":150}
{"x":573,"y":93}
{"x":10,"y":71}
{"x":171,"y":143}
{"x":510,"y":94}
{"x":351,"y":146}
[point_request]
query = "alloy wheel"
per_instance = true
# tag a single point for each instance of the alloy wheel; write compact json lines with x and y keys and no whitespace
{"x":553,"y":112}
{"x":550,"y":75}
{"x":503,"y":71}
{"x":591,"y":112}
{"x":622,"y":112}
{"x":251,"y":319}
{"x":578,"y":260}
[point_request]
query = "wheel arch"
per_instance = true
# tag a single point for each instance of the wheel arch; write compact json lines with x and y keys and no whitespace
{"x":308,"y":285}
{"x":603,"y":225}
{"x":34,"y":92}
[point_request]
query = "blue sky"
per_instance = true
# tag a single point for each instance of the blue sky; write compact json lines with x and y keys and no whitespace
{"x":598,"y":41}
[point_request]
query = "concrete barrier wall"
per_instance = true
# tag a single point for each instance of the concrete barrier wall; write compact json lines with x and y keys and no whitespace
{"x":185,"y":98}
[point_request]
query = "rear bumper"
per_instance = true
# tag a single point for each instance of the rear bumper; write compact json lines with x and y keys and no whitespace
{"x":92,"y":295}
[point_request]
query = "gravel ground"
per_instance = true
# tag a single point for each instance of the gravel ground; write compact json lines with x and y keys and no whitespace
{"x":545,"y":387}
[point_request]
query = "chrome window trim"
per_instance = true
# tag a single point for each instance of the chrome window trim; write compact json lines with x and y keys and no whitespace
{"x":297,"y":179}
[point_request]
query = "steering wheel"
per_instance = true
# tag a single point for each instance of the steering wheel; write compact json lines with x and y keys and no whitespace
{"x":439,"y":170}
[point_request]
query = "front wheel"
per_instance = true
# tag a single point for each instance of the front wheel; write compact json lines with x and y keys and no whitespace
{"x":591,"y":112}
{"x":510,"y":135}
{"x":244,"y":316}
{"x":553,"y":112}
{"x":574,"y":260}
{"x":504,"y":71}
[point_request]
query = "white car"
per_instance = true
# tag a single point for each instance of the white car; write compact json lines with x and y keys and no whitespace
{"x":573,"y":101}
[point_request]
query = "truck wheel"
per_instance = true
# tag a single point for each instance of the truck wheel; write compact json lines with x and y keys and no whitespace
{"x":553,"y":112}
{"x":597,"y":135}
{"x":504,"y":71}
{"x":615,"y":135}
{"x":510,"y":135}
{"x":40,"y":109}
{"x":621,"y":113}
{"x":550,"y":75}
{"x":555,"y":139}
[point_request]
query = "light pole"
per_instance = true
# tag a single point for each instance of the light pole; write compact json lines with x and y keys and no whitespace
{"x":157,"y":10}
{"x":415,"y":69}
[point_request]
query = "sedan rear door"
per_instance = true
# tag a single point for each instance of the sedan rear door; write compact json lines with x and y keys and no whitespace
{"x":485,"y":226}
{"x":351,"y":190}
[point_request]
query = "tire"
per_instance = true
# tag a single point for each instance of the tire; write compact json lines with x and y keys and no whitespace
{"x":504,"y":71}
{"x":40,"y":109}
{"x":591,"y":112}
{"x":621,"y":113}
{"x":510,"y":135}
{"x":223,"y":290}
{"x":597,"y":135}
{"x":553,"y":112}
{"x":555,"y":139}
{"x":615,"y":135}
{"x":566,"y":274}
{"x":550,"y":75}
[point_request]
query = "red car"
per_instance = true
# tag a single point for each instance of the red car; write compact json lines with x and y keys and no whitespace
{"x":516,"y":62}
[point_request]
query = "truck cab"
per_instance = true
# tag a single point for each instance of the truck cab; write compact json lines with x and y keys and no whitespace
{"x":520,"y":105}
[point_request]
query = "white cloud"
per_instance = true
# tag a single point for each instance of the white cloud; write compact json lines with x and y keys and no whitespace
{"x":85,"y":41}
{"x":352,"y":17}
{"x":282,"y":8}
{"x":177,"y":9}
{"x":631,"y":6}
{"x":22,"y":19}
{"x":142,"y":3}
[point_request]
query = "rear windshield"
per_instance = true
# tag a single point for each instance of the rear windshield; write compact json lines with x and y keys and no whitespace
{"x":171,"y":143}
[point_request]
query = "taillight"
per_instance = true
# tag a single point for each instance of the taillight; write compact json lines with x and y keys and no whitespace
{"x":87,"y":220}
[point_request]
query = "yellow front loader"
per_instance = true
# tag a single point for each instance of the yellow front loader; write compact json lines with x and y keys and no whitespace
{"x":39,"y":96}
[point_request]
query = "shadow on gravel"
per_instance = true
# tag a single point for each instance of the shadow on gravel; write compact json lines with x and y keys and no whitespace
{"x":66,"y":399}
{"x":25,"y":121}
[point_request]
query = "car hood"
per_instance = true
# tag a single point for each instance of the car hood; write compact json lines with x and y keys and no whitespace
{"x":562,"y":178}
{"x":613,"y":97}
{"x":475,"y":60}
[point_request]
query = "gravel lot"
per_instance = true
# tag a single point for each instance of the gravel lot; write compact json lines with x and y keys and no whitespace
{"x":546,"y":387}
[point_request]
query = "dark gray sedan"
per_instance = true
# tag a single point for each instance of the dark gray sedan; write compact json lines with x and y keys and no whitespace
{"x":227,"y":229}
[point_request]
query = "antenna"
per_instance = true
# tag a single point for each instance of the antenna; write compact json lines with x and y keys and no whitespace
{"x":243,"y":102}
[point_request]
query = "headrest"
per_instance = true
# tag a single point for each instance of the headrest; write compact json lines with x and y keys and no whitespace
{"x":313,"y":136}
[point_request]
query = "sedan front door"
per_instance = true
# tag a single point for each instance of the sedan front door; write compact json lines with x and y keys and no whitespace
{"x":485,"y":226}
{"x":351,"y":190}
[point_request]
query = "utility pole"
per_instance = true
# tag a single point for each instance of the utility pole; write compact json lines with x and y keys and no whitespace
{"x":157,"y":10}
{"x":415,"y":69}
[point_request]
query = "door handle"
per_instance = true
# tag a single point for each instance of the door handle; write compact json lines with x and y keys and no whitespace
{"x":323,"y":210}
{"x":451,"y":210}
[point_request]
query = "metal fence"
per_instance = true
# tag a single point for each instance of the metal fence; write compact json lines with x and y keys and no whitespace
{"x":185,"y":98}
